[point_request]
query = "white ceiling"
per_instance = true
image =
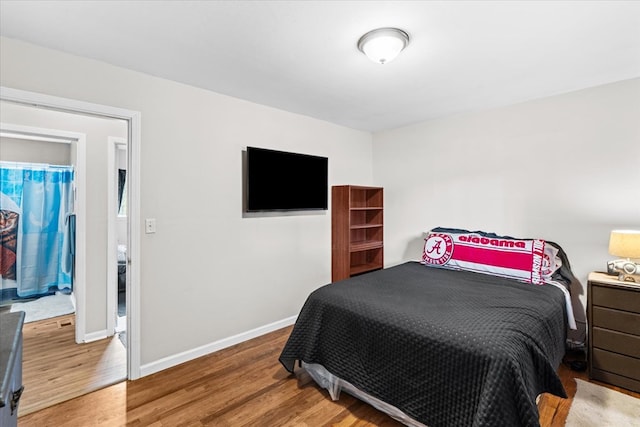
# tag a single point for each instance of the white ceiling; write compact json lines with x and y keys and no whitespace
{"x":301,"y":56}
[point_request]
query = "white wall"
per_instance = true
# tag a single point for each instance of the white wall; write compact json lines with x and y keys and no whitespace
{"x":31,"y":151}
{"x":208,"y":273}
{"x":97,"y":131}
{"x":564,"y":168}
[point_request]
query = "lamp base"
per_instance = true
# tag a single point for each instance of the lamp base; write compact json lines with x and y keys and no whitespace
{"x":625,"y":269}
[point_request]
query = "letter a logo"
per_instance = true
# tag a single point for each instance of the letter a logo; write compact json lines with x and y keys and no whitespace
{"x":438,"y":248}
{"x":435,"y":247}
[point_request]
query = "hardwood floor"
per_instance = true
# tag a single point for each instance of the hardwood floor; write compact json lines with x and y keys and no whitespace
{"x":243,"y":385}
{"x":56,"y":369}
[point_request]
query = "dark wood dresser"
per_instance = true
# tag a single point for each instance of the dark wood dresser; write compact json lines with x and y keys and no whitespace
{"x":10,"y":366}
{"x":613,"y":313}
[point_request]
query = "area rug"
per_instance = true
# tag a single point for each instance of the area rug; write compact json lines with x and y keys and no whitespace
{"x":45,"y":307}
{"x":597,"y":406}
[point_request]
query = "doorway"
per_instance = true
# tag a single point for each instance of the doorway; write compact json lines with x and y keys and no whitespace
{"x":59,"y":347}
{"x":39,"y":179}
{"x":132,"y":119}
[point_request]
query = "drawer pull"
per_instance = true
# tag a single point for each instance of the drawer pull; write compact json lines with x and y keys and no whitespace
{"x":15,"y":398}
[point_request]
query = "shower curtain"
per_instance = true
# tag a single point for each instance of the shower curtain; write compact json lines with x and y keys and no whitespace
{"x":36,"y":203}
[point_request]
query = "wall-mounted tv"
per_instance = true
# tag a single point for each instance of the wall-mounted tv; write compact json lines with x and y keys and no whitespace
{"x":283,"y":181}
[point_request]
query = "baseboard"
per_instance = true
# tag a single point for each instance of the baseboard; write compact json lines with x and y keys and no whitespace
{"x":95,"y":336}
{"x":185,"y":356}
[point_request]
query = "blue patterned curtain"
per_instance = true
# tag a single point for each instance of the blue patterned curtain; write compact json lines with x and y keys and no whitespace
{"x":43,"y":196}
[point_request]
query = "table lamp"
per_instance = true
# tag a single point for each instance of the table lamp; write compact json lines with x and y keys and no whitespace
{"x":625,"y":244}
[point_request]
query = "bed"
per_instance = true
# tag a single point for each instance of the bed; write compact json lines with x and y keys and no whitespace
{"x":434,"y":346}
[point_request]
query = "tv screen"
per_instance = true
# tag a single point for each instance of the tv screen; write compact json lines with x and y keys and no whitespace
{"x":282,"y":181}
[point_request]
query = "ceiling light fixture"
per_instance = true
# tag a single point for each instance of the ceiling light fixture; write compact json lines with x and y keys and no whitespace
{"x":382,"y":45}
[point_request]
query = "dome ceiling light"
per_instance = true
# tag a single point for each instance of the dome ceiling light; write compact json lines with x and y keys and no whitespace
{"x":382,"y":45}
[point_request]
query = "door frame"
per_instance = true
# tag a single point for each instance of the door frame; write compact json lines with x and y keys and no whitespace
{"x":78,"y":160}
{"x":133,"y":119}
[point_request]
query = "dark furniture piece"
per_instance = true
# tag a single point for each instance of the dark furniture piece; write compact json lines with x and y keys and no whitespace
{"x":439,"y":347}
{"x":10,"y":366}
{"x":122,"y":276}
{"x":122,"y":268}
{"x":356,"y":230}
{"x":613,"y":310}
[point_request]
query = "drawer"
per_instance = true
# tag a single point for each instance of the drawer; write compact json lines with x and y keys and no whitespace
{"x":619,"y":380}
{"x":620,"y":299}
{"x":616,"y":342}
{"x":616,"y":363}
{"x":622,"y":321}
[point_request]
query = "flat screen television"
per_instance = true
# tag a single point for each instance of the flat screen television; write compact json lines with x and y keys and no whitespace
{"x":283,"y":181}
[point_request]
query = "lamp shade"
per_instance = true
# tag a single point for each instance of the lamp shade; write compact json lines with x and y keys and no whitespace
{"x":383,"y":44}
{"x":625,"y":243}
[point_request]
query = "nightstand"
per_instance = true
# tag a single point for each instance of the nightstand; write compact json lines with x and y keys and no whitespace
{"x":613,"y":313}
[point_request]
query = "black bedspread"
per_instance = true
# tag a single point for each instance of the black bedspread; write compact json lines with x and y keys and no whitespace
{"x":449,"y":348}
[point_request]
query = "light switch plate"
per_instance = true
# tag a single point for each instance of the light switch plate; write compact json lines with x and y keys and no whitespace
{"x":150,"y":225}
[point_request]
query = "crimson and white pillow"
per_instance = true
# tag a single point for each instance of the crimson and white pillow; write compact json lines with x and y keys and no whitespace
{"x":529,"y":260}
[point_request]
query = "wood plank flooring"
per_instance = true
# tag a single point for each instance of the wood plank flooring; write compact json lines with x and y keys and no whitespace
{"x":56,"y":369}
{"x":243,"y":385}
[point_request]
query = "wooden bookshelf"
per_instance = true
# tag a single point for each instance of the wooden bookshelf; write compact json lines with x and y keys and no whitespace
{"x":356,"y":230}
